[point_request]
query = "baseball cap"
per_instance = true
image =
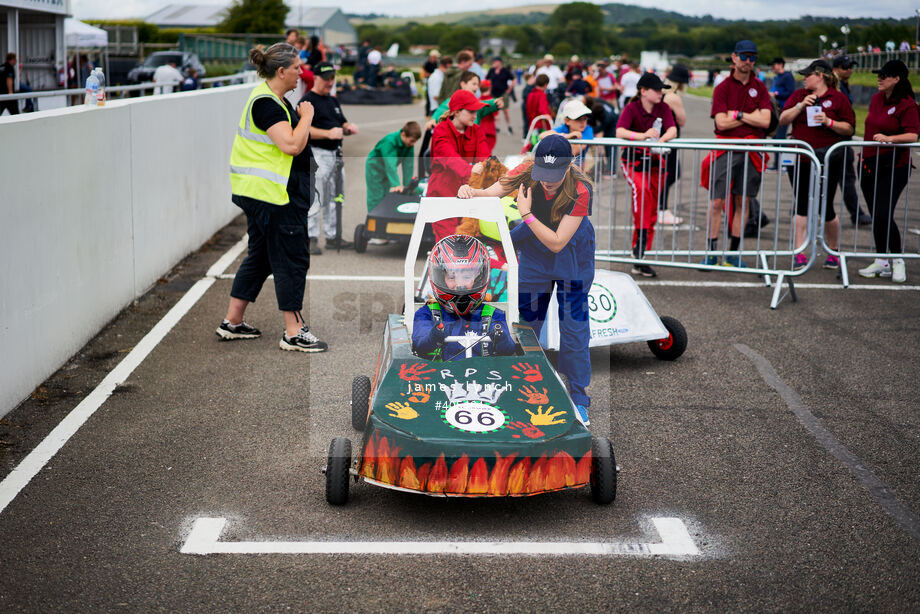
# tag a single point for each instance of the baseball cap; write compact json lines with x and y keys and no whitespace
{"x":462,"y":99}
{"x":892,"y":68}
{"x":679,"y":74}
{"x":843,"y":61}
{"x":552,"y":157}
{"x":549,"y":56}
{"x":575,"y":109}
{"x":652,"y":82}
{"x":745,"y":46}
{"x":778,"y":60}
{"x":818,"y":66}
{"x":485,"y":84}
{"x":324,"y":70}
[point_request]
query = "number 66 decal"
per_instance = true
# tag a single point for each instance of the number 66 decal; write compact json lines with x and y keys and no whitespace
{"x":474,"y":417}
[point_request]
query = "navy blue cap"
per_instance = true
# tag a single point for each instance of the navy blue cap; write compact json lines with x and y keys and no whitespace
{"x":745,"y":46}
{"x":551,"y":158}
{"x":844,"y":62}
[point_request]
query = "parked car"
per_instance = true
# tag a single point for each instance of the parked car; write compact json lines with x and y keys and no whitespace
{"x":184,"y":62}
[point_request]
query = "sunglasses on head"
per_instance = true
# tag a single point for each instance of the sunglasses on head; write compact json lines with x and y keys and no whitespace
{"x":747,"y":57}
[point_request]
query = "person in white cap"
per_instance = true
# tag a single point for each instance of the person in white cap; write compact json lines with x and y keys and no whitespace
{"x":575,"y":127}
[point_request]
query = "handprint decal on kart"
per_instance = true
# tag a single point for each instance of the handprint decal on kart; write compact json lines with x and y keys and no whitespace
{"x":419,"y":396}
{"x":527,"y":429}
{"x":545,"y":418}
{"x":403,"y":411}
{"x":533,"y":397}
{"x":414,"y":372}
{"x":530,"y":373}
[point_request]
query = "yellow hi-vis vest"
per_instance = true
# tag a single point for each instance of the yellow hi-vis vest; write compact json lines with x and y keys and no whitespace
{"x":258,"y":167}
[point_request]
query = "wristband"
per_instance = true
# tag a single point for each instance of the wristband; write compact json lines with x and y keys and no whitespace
{"x":798,"y":106}
{"x":734,"y":114}
{"x":529,"y":218}
{"x":831,"y":124}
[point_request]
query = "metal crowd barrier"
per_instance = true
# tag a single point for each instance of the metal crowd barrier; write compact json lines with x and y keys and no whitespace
{"x":879,"y":178}
{"x":121,"y":90}
{"x":767,"y":251}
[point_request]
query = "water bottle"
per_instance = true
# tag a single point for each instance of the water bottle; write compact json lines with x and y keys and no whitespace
{"x":657,"y":126}
{"x":92,"y":90}
{"x":100,"y":94}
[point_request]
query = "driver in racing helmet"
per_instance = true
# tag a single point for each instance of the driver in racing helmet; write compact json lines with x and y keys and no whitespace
{"x":459,"y":272}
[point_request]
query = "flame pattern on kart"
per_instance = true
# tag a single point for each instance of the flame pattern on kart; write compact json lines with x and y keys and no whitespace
{"x":496,"y":477}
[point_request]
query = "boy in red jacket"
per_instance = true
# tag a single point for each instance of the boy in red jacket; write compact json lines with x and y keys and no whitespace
{"x":538,"y":103}
{"x":487,"y":123}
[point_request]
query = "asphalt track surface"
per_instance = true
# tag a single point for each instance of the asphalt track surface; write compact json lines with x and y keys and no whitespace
{"x":786,"y":441}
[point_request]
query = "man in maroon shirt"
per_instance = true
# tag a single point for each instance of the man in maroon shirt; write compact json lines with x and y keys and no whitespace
{"x":741,"y":110}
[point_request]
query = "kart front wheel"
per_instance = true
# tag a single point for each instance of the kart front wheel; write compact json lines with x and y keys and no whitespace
{"x":672,"y":346}
{"x":360,"y":399}
{"x":337,"y":467}
{"x":360,"y":239}
{"x":603,"y":471}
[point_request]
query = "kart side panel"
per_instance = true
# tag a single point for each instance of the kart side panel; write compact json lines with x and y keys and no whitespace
{"x":618,"y":312}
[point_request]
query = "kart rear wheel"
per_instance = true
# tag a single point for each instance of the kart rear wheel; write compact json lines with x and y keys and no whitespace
{"x":360,"y":399}
{"x":603,"y":471}
{"x":672,"y":346}
{"x":360,"y":239}
{"x":337,"y":466}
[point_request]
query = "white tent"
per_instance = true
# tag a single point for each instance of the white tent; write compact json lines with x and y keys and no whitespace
{"x":84,"y":36}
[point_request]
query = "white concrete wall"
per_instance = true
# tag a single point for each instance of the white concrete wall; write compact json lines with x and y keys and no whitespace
{"x":98,"y":203}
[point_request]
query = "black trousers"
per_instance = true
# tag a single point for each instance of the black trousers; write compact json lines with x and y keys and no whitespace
{"x":848,"y":183}
{"x":279,"y":246}
{"x":10,"y":105}
{"x":882,"y":184}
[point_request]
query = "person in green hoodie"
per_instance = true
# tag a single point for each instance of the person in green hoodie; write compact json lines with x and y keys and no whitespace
{"x":469,"y":81}
{"x":381,"y":170}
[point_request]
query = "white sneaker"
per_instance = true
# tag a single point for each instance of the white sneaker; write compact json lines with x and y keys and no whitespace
{"x":879,"y":268}
{"x":669,"y":219}
{"x":898,"y":274}
{"x":376,"y":241}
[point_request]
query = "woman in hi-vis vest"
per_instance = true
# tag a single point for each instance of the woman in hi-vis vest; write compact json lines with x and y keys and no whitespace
{"x":270,"y":182}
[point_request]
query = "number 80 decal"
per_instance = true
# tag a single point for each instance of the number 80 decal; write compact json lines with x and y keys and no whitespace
{"x":474,"y":417}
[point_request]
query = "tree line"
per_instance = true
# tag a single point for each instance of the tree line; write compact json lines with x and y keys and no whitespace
{"x":599,"y":30}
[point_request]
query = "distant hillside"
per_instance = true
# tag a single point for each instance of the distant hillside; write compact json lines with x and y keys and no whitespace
{"x":619,"y":14}
{"x":531,"y":13}
{"x":615,"y":14}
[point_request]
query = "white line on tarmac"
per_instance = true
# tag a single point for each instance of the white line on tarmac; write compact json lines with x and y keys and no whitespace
{"x":388,"y":122}
{"x":675,"y":283}
{"x":29,"y":467}
{"x":675,"y":542}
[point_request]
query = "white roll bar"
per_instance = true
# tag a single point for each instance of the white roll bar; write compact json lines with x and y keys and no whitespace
{"x":435,"y":209}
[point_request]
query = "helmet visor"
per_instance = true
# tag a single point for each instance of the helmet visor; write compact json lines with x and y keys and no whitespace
{"x":460,"y":277}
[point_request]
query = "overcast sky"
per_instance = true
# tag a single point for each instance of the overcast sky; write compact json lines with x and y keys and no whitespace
{"x":732,"y":9}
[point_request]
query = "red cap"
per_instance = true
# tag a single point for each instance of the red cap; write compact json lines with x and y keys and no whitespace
{"x":485,"y":84}
{"x":463,"y":99}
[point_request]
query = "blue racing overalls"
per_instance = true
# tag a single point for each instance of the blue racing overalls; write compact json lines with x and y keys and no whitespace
{"x":484,"y":319}
{"x":570,"y":272}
